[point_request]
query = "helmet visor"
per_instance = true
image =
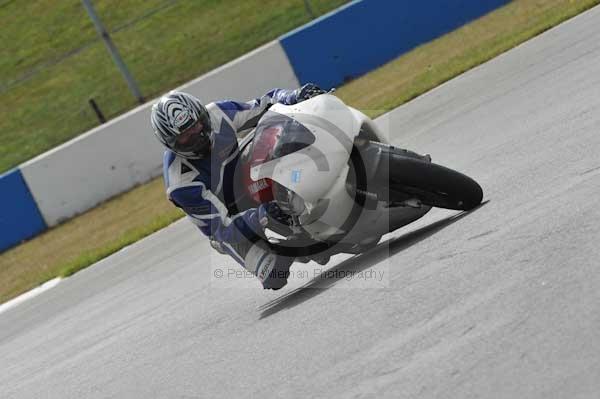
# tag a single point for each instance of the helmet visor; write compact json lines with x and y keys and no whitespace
{"x":195,"y":139}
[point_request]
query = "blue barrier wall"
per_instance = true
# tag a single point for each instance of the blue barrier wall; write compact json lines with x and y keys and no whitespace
{"x":20,"y":217}
{"x":368,"y":33}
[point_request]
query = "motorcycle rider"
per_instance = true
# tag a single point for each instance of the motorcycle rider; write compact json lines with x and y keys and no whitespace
{"x":198,"y":167}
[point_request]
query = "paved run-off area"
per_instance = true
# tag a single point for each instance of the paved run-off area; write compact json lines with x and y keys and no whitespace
{"x":502,"y":302}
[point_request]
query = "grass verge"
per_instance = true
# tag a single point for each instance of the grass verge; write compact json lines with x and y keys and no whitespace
{"x":84,"y":240}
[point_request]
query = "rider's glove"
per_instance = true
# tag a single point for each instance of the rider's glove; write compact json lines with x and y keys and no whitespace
{"x":307,"y":91}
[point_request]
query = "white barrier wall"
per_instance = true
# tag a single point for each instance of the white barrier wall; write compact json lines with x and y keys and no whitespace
{"x":247,"y":77}
{"x":122,"y":153}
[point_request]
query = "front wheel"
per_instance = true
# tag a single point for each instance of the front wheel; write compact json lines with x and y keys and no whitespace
{"x":432,"y":184}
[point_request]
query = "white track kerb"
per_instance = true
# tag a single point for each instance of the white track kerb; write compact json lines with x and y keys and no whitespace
{"x":29,"y":294}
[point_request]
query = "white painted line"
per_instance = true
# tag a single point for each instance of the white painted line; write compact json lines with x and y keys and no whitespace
{"x":29,"y":294}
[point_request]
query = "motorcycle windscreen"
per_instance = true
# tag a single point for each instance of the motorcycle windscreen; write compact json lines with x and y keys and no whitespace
{"x":276,"y":136}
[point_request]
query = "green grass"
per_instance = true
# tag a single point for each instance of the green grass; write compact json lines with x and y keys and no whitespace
{"x":57,"y":29}
{"x":126,"y":238}
{"x":82,"y":241}
{"x":180,"y":41}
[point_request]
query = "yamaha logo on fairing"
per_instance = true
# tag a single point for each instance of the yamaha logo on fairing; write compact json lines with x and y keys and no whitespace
{"x":258,"y":186}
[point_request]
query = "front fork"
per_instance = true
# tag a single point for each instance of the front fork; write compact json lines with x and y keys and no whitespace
{"x":368,"y":178}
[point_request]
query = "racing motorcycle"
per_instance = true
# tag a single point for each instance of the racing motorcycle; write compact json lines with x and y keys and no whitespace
{"x":340,"y":185}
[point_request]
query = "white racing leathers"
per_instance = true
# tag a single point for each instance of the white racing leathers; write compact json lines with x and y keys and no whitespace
{"x":204,"y":188}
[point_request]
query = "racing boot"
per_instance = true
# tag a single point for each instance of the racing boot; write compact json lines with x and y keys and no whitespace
{"x":272,"y":270}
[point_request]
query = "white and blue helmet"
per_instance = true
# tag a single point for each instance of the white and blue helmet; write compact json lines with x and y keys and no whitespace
{"x":182,"y":124}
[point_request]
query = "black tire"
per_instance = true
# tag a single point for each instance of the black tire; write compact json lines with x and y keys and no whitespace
{"x":432,"y":184}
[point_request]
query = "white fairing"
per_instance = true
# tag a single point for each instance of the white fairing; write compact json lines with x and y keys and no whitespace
{"x":325,"y":159}
{"x":317,"y":173}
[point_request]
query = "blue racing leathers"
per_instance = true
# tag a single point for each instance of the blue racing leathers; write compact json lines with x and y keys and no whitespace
{"x":203,"y":188}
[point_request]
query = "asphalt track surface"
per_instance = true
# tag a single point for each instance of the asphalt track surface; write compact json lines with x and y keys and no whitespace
{"x":503,"y":302}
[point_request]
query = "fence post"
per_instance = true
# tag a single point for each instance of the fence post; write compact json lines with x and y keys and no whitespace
{"x":112,"y":49}
{"x":97,"y":110}
{"x":309,"y":9}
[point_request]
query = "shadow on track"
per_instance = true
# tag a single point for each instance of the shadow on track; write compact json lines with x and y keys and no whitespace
{"x":358,"y":263}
